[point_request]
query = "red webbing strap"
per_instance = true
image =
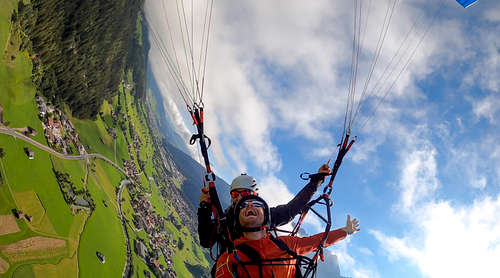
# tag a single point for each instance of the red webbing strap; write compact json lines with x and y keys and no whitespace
{"x":345,"y":147}
{"x":324,"y":199}
{"x":197,"y":115}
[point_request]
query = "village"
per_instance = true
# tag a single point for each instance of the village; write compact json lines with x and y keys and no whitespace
{"x":58,"y":129}
{"x":61,"y":136}
{"x":160,"y":242}
{"x":146,"y":218}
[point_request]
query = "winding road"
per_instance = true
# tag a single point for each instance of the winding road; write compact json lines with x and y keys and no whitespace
{"x":13,"y":133}
{"x":123,"y":183}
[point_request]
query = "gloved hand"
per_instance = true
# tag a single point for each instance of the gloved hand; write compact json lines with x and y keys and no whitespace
{"x":324,"y":169}
{"x":205,"y":196}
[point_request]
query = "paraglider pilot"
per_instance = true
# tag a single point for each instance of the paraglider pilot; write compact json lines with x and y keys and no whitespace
{"x":211,"y":231}
{"x":258,"y":254}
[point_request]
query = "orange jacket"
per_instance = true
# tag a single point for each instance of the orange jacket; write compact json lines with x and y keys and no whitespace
{"x":267,"y":249}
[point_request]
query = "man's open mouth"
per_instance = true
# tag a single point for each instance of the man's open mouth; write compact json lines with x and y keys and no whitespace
{"x":250,"y":213}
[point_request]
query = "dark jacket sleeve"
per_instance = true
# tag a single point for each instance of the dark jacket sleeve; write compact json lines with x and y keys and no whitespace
{"x":283,"y":214}
{"x":210,"y":234}
{"x":206,"y":226}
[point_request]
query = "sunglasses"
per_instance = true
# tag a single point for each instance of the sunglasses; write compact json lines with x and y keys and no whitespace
{"x":235,"y":194}
{"x":254,"y":203}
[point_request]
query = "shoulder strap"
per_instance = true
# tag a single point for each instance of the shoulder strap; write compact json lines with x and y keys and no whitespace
{"x":249,"y":251}
{"x":282,"y":245}
{"x":252,"y":254}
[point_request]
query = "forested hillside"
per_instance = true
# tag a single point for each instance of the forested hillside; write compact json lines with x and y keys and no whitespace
{"x":81,"y":49}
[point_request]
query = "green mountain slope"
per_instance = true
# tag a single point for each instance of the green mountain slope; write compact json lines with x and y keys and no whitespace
{"x":91,"y":191}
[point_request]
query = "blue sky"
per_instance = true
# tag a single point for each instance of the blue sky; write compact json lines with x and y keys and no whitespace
{"x":423,"y":177}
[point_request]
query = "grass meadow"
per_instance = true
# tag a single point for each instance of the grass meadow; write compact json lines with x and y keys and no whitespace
{"x":103,"y":231}
{"x":24,"y":174}
{"x":17,"y":92}
{"x":65,"y":268}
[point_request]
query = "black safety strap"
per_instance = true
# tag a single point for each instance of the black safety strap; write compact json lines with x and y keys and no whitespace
{"x":284,"y":247}
{"x":252,"y":254}
{"x":256,"y":259}
{"x":298,"y":258}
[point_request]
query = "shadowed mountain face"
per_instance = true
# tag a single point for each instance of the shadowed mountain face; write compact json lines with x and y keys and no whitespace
{"x":194,"y":173}
{"x":163,"y":120}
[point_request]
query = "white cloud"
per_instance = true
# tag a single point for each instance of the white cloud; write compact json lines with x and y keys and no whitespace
{"x":340,"y":253}
{"x":488,"y":107}
{"x":284,"y":66}
{"x":418,"y":171}
{"x":485,"y":48}
{"x":274,"y":191}
{"x":480,"y":182}
{"x":493,"y":14}
{"x":445,"y":238}
{"x":462,"y":241}
{"x":396,"y":248}
{"x":366,"y":251}
{"x":479,"y":157}
{"x":280,"y":68}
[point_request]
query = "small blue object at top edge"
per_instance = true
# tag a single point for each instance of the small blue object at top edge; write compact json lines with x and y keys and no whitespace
{"x":466,"y":3}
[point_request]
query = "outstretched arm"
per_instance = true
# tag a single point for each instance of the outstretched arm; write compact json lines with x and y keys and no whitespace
{"x":283,"y":214}
{"x":309,"y":244}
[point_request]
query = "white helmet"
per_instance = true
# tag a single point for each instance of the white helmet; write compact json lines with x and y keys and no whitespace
{"x":244,"y":181}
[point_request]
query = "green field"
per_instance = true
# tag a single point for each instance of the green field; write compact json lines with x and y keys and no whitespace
{"x":17,"y":92}
{"x":103,"y":232}
{"x":75,"y":168}
{"x":65,"y":268}
{"x":91,"y":133}
{"x":24,"y":174}
{"x":25,"y":271}
{"x":157,"y":201}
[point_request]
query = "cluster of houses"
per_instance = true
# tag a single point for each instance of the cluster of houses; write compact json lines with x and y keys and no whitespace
{"x":19,"y":214}
{"x":58,"y":129}
{"x":183,"y":209}
{"x":159,"y":241}
{"x":131,"y":170}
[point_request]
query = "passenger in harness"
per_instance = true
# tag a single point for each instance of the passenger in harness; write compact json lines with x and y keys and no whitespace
{"x":258,"y":254}
{"x":212,"y":232}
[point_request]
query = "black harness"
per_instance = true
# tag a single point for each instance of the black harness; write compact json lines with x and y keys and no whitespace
{"x":256,"y":259}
